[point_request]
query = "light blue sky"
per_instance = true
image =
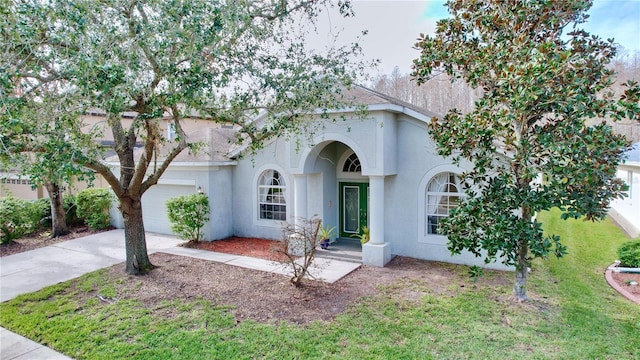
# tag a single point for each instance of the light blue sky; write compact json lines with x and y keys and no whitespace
{"x":618,"y":19}
{"x":394,"y":26}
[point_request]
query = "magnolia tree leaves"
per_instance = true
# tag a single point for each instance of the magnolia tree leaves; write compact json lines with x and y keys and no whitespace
{"x":541,"y":77}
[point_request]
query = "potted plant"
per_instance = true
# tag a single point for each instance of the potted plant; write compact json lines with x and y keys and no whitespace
{"x":325,"y":234}
{"x":363,"y":235}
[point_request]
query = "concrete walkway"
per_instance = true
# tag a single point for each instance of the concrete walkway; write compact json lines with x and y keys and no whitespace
{"x":33,"y":270}
{"x":327,"y":270}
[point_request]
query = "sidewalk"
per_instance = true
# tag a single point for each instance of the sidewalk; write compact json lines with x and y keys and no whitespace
{"x":327,"y":270}
{"x":33,"y":270}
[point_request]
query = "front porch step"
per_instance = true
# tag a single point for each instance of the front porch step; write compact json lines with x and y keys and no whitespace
{"x":342,"y":249}
{"x":328,"y":254}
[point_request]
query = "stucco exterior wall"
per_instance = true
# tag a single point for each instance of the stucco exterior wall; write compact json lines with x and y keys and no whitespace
{"x":326,"y":166}
{"x":246,"y":223}
{"x":220,"y":192}
{"x":626,"y":212}
{"x":405,"y":197}
{"x":393,"y":145}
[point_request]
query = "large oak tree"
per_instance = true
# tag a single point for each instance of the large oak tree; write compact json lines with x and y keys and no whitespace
{"x":226,"y":61}
{"x":542,"y":77}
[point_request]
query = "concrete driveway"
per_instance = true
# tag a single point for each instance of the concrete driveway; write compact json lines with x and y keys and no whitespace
{"x":33,"y":270}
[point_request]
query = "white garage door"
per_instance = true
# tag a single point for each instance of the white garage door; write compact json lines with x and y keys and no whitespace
{"x":154,"y":208}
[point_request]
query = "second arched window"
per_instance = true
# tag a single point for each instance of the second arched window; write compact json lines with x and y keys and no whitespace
{"x":443,"y":195}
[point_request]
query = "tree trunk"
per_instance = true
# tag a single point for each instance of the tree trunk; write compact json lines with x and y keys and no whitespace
{"x":137,"y":262}
{"x":58,"y":216}
{"x":519,"y":287}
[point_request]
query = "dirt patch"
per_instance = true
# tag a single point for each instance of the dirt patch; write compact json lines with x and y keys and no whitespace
{"x":267,"y":249}
{"x":624,"y":281}
{"x":267,"y":297}
{"x":253,"y":247}
{"x":43,"y":238}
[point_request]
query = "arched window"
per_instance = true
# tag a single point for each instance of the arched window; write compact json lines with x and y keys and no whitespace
{"x":352,"y":164}
{"x":443,"y":194}
{"x":271,"y":196}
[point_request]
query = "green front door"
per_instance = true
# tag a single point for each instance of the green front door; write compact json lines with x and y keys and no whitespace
{"x":354,"y":200}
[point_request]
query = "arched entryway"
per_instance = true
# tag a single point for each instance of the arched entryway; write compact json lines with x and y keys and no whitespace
{"x":337,"y":184}
{"x":333,"y":189}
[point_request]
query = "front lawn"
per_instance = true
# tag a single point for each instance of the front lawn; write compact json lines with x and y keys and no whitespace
{"x":573,"y":314}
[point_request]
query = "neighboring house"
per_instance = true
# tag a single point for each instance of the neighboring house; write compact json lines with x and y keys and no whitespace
{"x":626,"y":212}
{"x":11,"y":183}
{"x":14,"y":184}
{"x":382,"y":171}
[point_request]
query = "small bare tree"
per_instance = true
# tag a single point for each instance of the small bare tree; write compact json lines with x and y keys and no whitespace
{"x":299,"y":247}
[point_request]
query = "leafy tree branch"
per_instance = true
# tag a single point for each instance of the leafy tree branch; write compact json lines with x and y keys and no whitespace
{"x":542,"y":78}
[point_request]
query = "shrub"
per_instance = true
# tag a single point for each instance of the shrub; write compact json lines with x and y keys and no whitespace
{"x":629,"y":254}
{"x":36,"y":212}
{"x":69,"y":205}
{"x":92,"y":205}
{"x":41,"y":212}
{"x":187,"y":215}
{"x":18,"y":217}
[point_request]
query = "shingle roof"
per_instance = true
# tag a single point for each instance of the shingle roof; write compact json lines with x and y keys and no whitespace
{"x":220,"y":145}
{"x":217,"y":144}
{"x":363,"y":95}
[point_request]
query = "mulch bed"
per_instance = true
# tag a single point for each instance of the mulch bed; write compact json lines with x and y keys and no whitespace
{"x":270,"y":298}
{"x":253,"y":247}
{"x":265,"y":249}
{"x":622,"y":280}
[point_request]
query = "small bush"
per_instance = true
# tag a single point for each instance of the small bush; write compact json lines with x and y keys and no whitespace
{"x":629,"y":254}
{"x":41,"y":212}
{"x":36,"y":211}
{"x":18,"y":217}
{"x":92,"y":205}
{"x":188,"y":214}
{"x":69,"y":205}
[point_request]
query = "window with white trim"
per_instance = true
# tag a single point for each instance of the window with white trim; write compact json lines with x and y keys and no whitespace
{"x":271,"y":196}
{"x":171,"y":131}
{"x":443,"y":194}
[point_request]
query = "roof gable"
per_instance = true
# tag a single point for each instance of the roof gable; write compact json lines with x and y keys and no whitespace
{"x":220,"y":143}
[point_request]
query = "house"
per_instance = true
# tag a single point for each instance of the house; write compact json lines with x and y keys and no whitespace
{"x":382,"y":171}
{"x":626,"y":212}
{"x":14,"y":184}
{"x":11,"y":183}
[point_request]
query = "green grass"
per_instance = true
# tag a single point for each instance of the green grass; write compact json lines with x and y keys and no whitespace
{"x":573,"y":314}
